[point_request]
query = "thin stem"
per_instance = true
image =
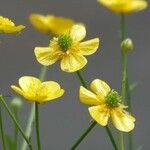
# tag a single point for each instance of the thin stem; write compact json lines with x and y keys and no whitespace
{"x":122,"y":27}
{"x":16,"y":130}
{"x":43,"y":73}
{"x":32,"y":113}
{"x":124,"y":72}
{"x":81,"y":79}
{"x":37,"y":126}
{"x":83,"y":135}
{"x":93,"y":124}
{"x":111,"y":138}
{"x":130,"y":135}
{"x":15,"y":122}
{"x":2,"y":130}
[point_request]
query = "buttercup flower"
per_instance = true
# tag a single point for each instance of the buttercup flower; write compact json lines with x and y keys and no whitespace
{"x":124,"y":6}
{"x":33,"y":89}
{"x":51,"y":24}
{"x":7,"y":26}
{"x":69,"y":49}
{"x":107,"y":104}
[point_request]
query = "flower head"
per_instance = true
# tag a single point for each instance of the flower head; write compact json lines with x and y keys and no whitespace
{"x":69,"y":49}
{"x":7,"y":26}
{"x":107,"y":104}
{"x":124,"y":6}
{"x":51,"y":24}
{"x":33,"y":89}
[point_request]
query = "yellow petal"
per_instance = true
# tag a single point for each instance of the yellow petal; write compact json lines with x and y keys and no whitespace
{"x":73,"y":62}
{"x":101,"y":88}
{"x":41,"y":22}
{"x":17,"y":90}
{"x":122,"y":120}
{"x":11,"y":29}
{"x":29,"y":84}
{"x":78,"y":32}
{"x":51,"y":90}
{"x":51,"y":23}
{"x":136,"y":5}
{"x":60,"y":25}
{"x":89,"y":47}
{"x":46,"y":55}
{"x":100,"y":114}
{"x":124,"y":6}
{"x":87,"y":97}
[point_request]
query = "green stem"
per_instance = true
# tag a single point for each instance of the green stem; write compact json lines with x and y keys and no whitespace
{"x":83,"y":135}
{"x":16,"y":130}
{"x":81,"y":79}
{"x":124,"y":72}
{"x":32,"y":113}
{"x":37,"y":126}
{"x":2,"y":130}
{"x":93,"y":124}
{"x":130,"y":138}
{"x":15,"y":122}
{"x":111,"y":138}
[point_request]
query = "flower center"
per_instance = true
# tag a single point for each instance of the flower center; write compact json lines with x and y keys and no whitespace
{"x":65,"y":42}
{"x":113,"y":99}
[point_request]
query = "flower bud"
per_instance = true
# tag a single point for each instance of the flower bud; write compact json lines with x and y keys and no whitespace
{"x":16,"y":103}
{"x":127,"y":45}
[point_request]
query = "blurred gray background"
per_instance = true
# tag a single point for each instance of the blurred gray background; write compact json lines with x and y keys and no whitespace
{"x":63,"y":121}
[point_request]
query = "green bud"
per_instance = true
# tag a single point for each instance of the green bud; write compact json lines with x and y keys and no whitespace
{"x":16,"y":103}
{"x":127,"y":45}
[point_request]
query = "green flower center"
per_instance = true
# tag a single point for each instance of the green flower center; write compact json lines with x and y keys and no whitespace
{"x":65,"y":42}
{"x":113,"y":99}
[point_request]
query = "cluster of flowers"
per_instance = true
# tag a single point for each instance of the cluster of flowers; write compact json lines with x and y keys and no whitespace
{"x":70,"y":50}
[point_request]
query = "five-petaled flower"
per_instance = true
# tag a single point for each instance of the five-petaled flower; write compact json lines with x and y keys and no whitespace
{"x":51,"y":24}
{"x":7,"y":26}
{"x":124,"y":6}
{"x":69,"y":49}
{"x":107,"y":103}
{"x":33,"y":90}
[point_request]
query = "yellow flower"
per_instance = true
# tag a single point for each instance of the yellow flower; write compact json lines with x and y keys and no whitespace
{"x":69,"y":49}
{"x":33,"y":89}
{"x":7,"y":26}
{"x":107,"y":103}
{"x":51,"y":24}
{"x":124,"y":6}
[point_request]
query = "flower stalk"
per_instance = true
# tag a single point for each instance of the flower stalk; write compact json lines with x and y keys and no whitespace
{"x":2,"y":130}
{"x":93,"y":123}
{"x":124,"y":72}
{"x":32,"y":113}
{"x":16,"y":122}
{"x":37,"y":126}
